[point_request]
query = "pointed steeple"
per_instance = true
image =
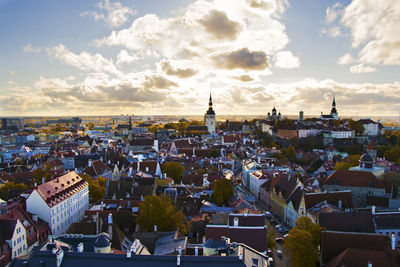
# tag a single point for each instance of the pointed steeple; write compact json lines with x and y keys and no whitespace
{"x":333,"y":102}
{"x":210,"y":101}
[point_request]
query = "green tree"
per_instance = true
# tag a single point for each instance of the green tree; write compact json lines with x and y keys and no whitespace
{"x":38,"y":174}
{"x":97,"y":187}
{"x":357,"y":126}
{"x":271,"y":239}
{"x":222,"y":191}
{"x":174,"y":170}
{"x":290,"y":153}
{"x":394,"y":177}
{"x":305,"y":223}
{"x":302,"y":242}
{"x":10,"y":187}
{"x":392,"y":154}
{"x":300,"y":245}
{"x":155,"y":210}
{"x":342,"y":165}
{"x":354,"y":149}
{"x":214,"y":153}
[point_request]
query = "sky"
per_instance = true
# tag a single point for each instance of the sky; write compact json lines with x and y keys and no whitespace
{"x":106,"y":57}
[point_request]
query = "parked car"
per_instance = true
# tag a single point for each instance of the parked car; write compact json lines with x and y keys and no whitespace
{"x":267,"y":214}
{"x":285,"y":235}
{"x":279,"y":253}
{"x":269,"y":252}
{"x":279,"y":239}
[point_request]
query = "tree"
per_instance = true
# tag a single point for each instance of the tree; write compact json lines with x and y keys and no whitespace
{"x":214,"y":153}
{"x":155,"y":210}
{"x":290,"y":153}
{"x":174,"y":170}
{"x":222,"y":191}
{"x":394,"y":177}
{"x":302,"y":242}
{"x":11,"y":189}
{"x":271,"y":239}
{"x":38,"y":174}
{"x":357,"y":126}
{"x":300,"y":245}
{"x":305,"y":223}
{"x":342,"y":165}
{"x":97,"y":187}
{"x":354,"y":149}
{"x":392,"y":154}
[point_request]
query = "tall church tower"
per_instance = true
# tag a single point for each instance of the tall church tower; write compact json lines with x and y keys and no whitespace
{"x":334,"y":113}
{"x":209,"y":117}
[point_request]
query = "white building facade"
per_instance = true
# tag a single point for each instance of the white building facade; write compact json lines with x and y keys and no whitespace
{"x":209,"y":117}
{"x":60,"y":202}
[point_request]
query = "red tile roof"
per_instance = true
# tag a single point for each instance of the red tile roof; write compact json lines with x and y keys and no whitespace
{"x":61,"y":188}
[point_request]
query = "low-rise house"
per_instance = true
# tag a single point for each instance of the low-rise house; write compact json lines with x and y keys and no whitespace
{"x":249,"y":229}
{"x":357,"y":249}
{"x":387,"y":223}
{"x":98,"y":168}
{"x":361,"y":184}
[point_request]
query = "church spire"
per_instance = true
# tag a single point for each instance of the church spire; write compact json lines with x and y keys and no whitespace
{"x":210,"y":101}
{"x":333,"y":102}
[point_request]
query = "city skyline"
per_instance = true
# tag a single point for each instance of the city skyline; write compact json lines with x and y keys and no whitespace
{"x":163,"y":57}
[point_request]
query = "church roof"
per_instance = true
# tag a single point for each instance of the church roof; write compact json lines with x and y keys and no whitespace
{"x":366,"y":158}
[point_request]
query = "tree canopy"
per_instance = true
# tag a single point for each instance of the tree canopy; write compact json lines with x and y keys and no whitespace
{"x":302,"y":242}
{"x":155,"y":210}
{"x":174,"y":170}
{"x":222,"y":191}
{"x":97,"y":187}
{"x":12,"y":189}
{"x":394,"y":177}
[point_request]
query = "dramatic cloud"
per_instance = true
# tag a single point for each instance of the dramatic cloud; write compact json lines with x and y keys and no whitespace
{"x":125,"y":58}
{"x":374,"y":29}
{"x":218,"y":24}
{"x":115,"y":14}
{"x":244,"y":78}
{"x":286,"y":60}
{"x":30,"y":48}
{"x":181,"y":73}
{"x":360,"y":68}
{"x":83,"y":61}
{"x":243,"y":59}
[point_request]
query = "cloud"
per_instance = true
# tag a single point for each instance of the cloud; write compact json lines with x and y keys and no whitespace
{"x":84,"y":60}
{"x":115,"y":14}
{"x":30,"y":48}
{"x":244,"y":78}
{"x":286,"y":60}
{"x":218,"y":24}
{"x":360,"y":68}
{"x":242,"y":59}
{"x":333,"y":12}
{"x":345,"y":59}
{"x":181,"y":73}
{"x":125,"y":58}
{"x":375,"y":31}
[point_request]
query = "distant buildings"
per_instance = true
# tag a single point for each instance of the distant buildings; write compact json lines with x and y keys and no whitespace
{"x":274,"y":116}
{"x":333,"y":115}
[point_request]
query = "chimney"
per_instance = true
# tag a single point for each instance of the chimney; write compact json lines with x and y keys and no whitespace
{"x":204,"y":239}
{"x":196,"y":251}
{"x":35,"y":218}
{"x":43,"y":180}
{"x":373,"y":209}
{"x":340,"y":204}
{"x":130,"y":171}
{"x":110,"y":223}
{"x":147,"y":169}
{"x":97,"y":221}
{"x":138,"y":165}
{"x":393,"y":242}
{"x":180,"y":250}
{"x":369,"y":263}
{"x":236,"y":222}
{"x":80,"y":247}
{"x":155,"y":228}
{"x":90,"y":163}
{"x":35,"y":184}
{"x":178,"y":260}
{"x":128,"y":254}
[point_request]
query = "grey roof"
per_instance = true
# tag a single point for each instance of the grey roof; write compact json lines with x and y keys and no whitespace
{"x":366,"y":158}
{"x":169,"y":244}
{"x":99,"y":260}
{"x":387,"y":221}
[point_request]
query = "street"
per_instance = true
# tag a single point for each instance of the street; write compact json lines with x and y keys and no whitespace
{"x":283,"y":261}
